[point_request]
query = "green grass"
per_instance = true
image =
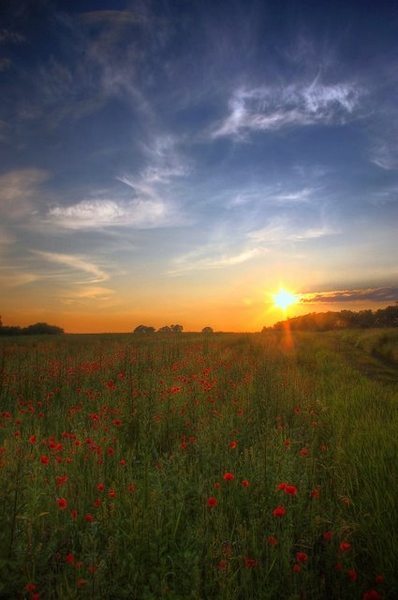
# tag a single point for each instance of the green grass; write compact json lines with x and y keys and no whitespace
{"x":135,"y":435}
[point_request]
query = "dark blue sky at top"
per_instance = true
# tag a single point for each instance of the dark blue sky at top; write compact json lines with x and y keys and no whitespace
{"x":209,"y":135}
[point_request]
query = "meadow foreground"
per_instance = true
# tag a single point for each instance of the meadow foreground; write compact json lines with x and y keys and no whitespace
{"x":194,"y":467}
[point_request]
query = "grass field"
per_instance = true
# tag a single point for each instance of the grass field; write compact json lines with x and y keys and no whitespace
{"x":193,"y":467}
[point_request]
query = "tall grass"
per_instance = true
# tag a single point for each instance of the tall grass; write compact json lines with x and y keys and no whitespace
{"x":193,"y":467}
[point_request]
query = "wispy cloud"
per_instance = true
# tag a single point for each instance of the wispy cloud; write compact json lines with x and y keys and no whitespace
{"x":19,"y":190}
{"x":379,"y":294}
{"x":15,"y":276}
{"x":212,"y":256}
{"x":76,"y":263}
{"x":272,"y":108}
{"x":282,"y":229}
{"x":97,"y":214}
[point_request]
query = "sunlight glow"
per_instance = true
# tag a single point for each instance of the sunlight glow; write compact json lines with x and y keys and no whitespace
{"x":283,"y":299}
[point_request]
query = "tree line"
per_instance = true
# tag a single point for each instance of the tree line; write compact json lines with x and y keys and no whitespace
{"x":35,"y":329}
{"x":344,"y":319}
{"x":166,"y":329}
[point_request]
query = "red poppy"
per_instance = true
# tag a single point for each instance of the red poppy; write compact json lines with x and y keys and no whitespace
{"x":304,"y":451}
{"x":296,"y":568}
{"x":301,"y":557}
{"x":315,"y":493}
{"x":89,"y":518}
{"x":100,"y":487}
{"x":379,"y":579}
{"x":372,"y":595}
{"x":245,"y":483}
{"x":250,"y":562}
{"x":211,"y":502}
{"x":279,"y":511}
{"x":290,"y":489}
{"x":272,"y":540}
{"x":327,"y":535}
{"x":62,"y":503}
{"x":228,"y":476}
{"x":344,"y":546}
{"x":352,"y":574}
{"x":73,"y":514}
{"x":70,"y":559}
{"x":45,"y":460}
{"x":112,"y":493}
{"x":233,"y":445}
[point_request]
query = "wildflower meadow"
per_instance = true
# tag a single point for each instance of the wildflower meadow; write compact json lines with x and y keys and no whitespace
{"x":196,"y":467}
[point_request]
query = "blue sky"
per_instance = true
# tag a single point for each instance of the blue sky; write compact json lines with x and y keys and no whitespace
{"x":179,"y":161}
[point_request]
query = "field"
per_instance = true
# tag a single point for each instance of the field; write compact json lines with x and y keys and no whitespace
{"x":194,"y":467}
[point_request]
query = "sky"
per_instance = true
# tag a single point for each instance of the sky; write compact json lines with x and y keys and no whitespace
{"x":179,"y":161}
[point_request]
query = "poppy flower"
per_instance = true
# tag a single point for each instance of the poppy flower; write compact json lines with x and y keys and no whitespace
{"x":44,"y":459}
{"x":228,"y":476}
{"x":272,"y":540}
{"x":211,"y":502}
{"x":352,"y":574}
{"x":327,"y":535}
{"x":62,"y":503}
{"x":89,"y":518}
{"x":245,"y":483}
{"x":233,"y":445}
{"x":296,"y":568}
{"x":250,"y":562}
{"x":344,"y":546}
{"x":371,"y":595}
{"x":279,"y":511}
{"x":301,"y":557}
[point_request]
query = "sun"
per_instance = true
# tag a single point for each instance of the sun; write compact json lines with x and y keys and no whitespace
{"x":283,"y":299}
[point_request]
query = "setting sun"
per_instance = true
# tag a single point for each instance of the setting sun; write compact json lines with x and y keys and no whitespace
{"x":283,"y":299}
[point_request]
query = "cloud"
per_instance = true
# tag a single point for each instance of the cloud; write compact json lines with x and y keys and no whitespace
{"x":281,"y":229}
{"x":212,"y":257}
{"x":76,"y":263}
{"x":272,"y":108}
{"x":18,"y":190}
{"x":11,"y":37}
{"x":379,"y":294}
{"x":95,"y":214}
{"x":15,"y":276}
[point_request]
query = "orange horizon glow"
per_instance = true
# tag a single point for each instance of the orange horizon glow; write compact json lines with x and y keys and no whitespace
{"x":236,"y":317}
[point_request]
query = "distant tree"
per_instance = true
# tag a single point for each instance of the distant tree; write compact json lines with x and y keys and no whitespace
{"x":170,"y":329}
{"x":144,"y":329}
{"x":207,"y":330}
{"x":164,"y":329}
{"x":42,"y":328}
